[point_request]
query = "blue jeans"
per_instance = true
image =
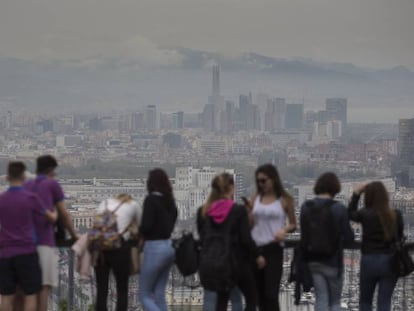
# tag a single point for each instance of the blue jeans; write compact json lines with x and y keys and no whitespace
{"x":210,"y":299}
{"x":155,"y":270}
{"x":328,"y":287}
{"x":375,"y":270}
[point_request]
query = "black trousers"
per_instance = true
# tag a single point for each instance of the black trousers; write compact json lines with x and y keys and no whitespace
{"x":246,"y":284}
{"x":118,"y":262}
{"x":268,"y":279}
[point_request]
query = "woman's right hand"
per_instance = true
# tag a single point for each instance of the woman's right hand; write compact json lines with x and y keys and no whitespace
{"x":359,"y":188}
{"x":261,"y":262}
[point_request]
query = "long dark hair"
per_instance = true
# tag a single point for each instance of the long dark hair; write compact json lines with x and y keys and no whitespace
{"x":220,"y":186}
{"x":376,"y":197}
{"x":271,"y":172}
{"x":158,"y":181}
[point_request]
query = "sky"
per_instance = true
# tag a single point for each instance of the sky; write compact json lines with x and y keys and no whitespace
{"x":369,"y":33}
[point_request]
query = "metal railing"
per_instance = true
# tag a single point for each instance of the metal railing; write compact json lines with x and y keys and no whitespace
{"x":186,"y":293}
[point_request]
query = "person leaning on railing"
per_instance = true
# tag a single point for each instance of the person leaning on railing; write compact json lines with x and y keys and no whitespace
{"x":381,"y":226}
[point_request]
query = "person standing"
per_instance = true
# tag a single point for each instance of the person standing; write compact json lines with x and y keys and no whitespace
{"x":118,"y":260}
{"x":21,"y":215}
{"x":157,"y":223}
{"x":51,"y":195}
{"x":382,"y":226}
{"x":221,"y":213}
{"x":325,"y":228}
{"x":273,"y":214}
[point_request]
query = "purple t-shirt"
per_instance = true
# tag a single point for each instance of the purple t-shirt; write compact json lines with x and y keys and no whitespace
{"x":19,"y":214}
{"x":50,"y":193}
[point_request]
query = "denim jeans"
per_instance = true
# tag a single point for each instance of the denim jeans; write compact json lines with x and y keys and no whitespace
{"x":375,"y":270}
{"x":328,"y":287}
{"x":155,"y":270}
{"x":210,"y":299}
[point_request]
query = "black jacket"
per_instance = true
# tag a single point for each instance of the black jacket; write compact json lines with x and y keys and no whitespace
{"x":373,"y":241}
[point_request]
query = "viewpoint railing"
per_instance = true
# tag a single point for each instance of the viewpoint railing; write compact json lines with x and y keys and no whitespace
{"x":186,"y":293}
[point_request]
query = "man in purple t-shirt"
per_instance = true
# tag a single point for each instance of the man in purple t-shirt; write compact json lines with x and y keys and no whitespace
{"x":20,"y":215}
{"x":51,"y":195}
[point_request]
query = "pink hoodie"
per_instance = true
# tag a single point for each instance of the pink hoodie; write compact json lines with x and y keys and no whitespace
{"x":220,"y":209}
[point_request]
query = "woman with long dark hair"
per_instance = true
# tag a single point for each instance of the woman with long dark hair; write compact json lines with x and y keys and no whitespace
{"x":158,"y":221}
{"x":273,"y":213}
{"x":220,"y":211}
{"x":381,"y":227}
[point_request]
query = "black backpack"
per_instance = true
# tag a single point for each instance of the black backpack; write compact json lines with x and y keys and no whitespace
{"x":217,"y":268}
{"x":187,"y":253}
{"x":319,"y":230}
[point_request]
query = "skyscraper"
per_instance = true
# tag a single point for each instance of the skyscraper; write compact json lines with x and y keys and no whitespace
{"x":406,"y":141}
{"x":151,"y":117}
{"x":216,"y":81}
{"x":337,"y":109}
{"x":178,"y":120}
{"x":275,"y":114}
{"x":294,"y":116}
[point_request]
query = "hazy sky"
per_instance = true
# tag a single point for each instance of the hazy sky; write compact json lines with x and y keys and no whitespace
{"x":374,"y":33}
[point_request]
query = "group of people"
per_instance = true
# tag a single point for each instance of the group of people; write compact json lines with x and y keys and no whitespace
{"x":257,"y":230}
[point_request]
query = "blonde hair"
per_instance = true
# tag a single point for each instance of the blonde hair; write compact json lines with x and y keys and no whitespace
{"x":220,"y":186}
{"x":124,"y":197}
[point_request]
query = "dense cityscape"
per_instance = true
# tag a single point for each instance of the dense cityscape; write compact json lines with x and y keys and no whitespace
{"x":106,"y":154}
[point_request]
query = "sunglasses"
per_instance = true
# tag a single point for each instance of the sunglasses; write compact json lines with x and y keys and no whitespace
{"x":261,"y":180}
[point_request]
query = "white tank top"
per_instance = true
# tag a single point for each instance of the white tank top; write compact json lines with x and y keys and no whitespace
{"x":268,"y":220}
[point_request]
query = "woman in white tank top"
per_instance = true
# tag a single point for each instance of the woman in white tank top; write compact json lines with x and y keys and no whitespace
{"x":273,"y":214}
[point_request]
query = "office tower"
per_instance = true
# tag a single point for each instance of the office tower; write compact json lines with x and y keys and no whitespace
{"x":215,"y":98}
{"x":310,"y":118}
{"x":216,"y":81}
{"x":337,"y":110}
{"x":210,"y":117}
{"x":136,"y":121}
{"x":178,"y":120}
{"x":406,"y":141}
{"x":294,"y":116}
{"x":151,"y":117}
{"x":249,"y":113}
{"x":228,"y":116}
{"x":275,"y":114}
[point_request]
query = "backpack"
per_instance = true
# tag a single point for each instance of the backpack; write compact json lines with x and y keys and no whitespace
{"x":187,"y":254}
{"x":104,"y":235}
{"x":217,"y":268}
{"x":319,"y":230}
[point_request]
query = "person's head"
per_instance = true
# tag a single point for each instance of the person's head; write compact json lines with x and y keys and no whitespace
{"x":222,"y":187}
{"x":376,"y":197}
{"x":158,"y":181}
{"x":268,"y":181}
{"x":16,"y":172}
{"x":327,"y":183}
{"x":124,"y":197}
{"x":46,"y":165}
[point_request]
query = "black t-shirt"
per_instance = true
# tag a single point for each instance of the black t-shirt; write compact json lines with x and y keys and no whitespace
{"x":158,"y":217}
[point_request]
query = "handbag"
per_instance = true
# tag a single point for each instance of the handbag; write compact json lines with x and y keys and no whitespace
{"x":187,"y":253}
{"x":136,"y":248}
{"x":401,"y":262}
{"x":136,"y":260}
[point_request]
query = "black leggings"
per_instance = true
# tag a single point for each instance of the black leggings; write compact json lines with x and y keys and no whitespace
{"x":118,"y":262}
{"x":246,"y":285}
{"x":268,"y":279}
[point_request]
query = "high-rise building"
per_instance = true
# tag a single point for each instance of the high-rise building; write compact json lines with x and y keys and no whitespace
{"x":337,"y":109}
{"x":228,"y":116}
{"x":249,"y":113}
{"x":210,"y":117}
{"x":294,"y":116}
{"x":275,"y":114}
{"x":406,"y":141}
{"x":216,"y":98}
{"x":151,"y":117}
{"x":178,"y":120}
{"x":216,"y":81}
